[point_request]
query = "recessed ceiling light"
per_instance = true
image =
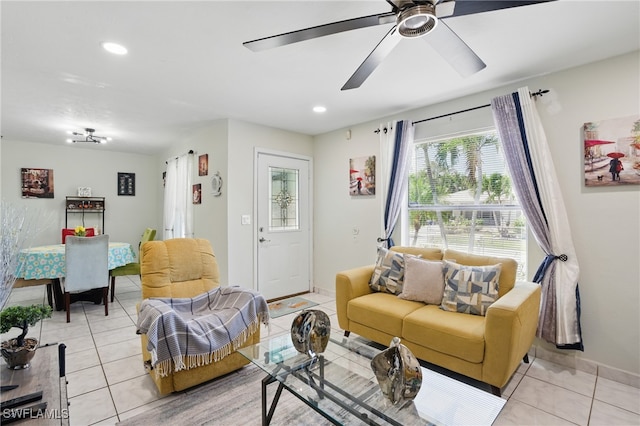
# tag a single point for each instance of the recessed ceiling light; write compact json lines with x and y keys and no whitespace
{"x":114,"y":48}
{"x":319,"y":109}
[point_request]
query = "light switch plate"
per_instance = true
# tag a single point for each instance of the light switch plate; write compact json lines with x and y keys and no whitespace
{"x":246,"y":219}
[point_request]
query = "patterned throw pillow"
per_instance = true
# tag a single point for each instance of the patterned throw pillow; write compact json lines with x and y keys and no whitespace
{"x":423,"y":280}
{"x":469,"y":289}
{"x":389,"y":272}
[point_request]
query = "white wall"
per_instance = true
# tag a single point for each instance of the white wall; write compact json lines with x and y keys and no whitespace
{"x":605,"y":221}
{"x":126,"y":217}
{"x":218,"y":218}
{"x":244,"y":138}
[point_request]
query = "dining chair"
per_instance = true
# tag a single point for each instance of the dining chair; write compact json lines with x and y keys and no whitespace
{"x":87,"y":268}
{"x":71,"y":232}
{"x":130,"y":268}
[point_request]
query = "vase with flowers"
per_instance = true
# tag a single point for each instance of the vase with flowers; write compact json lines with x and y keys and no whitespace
{"x":80,"y":231}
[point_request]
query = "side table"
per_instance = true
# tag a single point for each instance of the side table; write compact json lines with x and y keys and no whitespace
{"x":46,"y":374}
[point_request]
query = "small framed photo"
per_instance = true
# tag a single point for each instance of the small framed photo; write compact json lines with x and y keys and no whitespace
{"x":203,"y":165}
{"x":84,"y":191}
{"x":126,"y":184}
{"x":197,"y":193}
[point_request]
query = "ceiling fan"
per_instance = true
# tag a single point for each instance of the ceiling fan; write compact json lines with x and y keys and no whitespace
{"x":411,"y":19}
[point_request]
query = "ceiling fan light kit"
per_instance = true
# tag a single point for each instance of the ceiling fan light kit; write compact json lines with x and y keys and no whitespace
{"x":413,"y":18}
{"x":417,"y":20}
{"x":88,"y":137}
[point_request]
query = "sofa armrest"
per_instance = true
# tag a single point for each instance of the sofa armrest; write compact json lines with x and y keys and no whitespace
{"x":510,"y":328}
{"x":349,"y":285}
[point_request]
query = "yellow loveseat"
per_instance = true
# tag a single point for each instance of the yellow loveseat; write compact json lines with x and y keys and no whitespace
{"x":184,"y":267}
{"x":486,"y":348}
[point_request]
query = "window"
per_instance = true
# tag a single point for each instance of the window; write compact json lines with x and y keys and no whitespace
{"x":283,"y":193}
{"x":461,"y":197}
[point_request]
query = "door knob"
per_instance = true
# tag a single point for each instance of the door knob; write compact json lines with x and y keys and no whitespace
{"x":262,"y":240}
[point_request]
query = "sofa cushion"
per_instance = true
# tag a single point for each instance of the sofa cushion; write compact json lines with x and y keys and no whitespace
{"x":423,"y":281}
{"x":388,"y":274}
{"x":469,"y":289}
{"x":451,"y":333}
{"x":382,"y":311}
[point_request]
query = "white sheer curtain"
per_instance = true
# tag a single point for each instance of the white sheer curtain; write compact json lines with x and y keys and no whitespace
{"x":178,"y":203}
{"x":394,"y":152}
{"x":534,"y":176}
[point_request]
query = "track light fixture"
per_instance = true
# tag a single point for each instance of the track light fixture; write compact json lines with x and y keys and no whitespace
{"x":88,"y":137}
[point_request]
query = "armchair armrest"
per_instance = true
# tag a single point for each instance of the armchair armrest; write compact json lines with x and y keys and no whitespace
{"x":510,"y":328}
{"x":350,"y":284}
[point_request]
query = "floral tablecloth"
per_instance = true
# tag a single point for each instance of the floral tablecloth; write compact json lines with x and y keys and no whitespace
{"x":46,"y":262}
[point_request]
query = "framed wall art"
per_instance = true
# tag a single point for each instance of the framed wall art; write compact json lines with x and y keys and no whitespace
{"x":612,"y":152}
{"x":36,"y":183}
{"x":362,"y":176}
{"x":197,"y":193}
{"x":203,"y":165}
{"x":126,"y":184}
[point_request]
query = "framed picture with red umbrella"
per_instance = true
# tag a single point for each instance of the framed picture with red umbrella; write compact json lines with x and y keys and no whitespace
{"x":612,"y":152}
{"x":362,"y":176}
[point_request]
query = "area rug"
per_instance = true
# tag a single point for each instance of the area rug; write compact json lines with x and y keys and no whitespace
{"x":287,"y":306}
{"x":233,"y":399}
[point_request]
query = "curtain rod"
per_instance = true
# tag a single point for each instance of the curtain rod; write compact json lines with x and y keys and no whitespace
{"x":452,"y":113}
{"x":534,"y":95}
{"x":190,"y":152}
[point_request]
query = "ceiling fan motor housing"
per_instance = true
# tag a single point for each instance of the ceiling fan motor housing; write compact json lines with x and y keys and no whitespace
{"x":417,"y":20}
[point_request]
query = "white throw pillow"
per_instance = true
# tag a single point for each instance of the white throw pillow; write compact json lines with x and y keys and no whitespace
{"x":423,"y":281}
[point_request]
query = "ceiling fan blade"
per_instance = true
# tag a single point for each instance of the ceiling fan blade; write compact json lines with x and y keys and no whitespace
{"x":374,"y":59}
{"x":454,"y":50}
{"x":468,"y":7}
{"x":319,"y":31}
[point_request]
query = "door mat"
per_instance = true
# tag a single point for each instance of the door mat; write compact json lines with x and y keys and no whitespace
{"x":287,"y":306}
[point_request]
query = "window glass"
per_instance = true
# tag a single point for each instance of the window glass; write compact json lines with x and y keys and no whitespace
{"x":283,"y":193}
{"x":461,"y":197}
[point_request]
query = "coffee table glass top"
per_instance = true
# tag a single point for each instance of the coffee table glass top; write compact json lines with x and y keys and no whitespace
{"x":341,"y":384}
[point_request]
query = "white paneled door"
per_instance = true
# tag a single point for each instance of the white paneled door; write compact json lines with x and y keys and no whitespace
{"x":283,"y":226}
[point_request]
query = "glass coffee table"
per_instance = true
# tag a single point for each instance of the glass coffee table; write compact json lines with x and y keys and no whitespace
{"x":340,"y":385}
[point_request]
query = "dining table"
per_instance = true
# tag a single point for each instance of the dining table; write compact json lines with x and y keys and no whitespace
{"x":44,"y":263}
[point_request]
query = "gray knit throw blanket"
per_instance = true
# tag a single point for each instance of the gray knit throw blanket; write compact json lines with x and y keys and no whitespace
{"x":189,"y":332}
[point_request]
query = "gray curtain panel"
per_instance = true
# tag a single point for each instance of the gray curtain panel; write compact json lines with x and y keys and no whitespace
{"x":534,"y":181}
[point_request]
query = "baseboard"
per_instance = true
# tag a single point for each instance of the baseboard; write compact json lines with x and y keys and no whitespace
{"x":621,"y":376}
{"x":325,"y":292}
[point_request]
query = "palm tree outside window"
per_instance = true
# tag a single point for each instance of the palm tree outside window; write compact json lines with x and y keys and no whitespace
{"x":460,"y":197}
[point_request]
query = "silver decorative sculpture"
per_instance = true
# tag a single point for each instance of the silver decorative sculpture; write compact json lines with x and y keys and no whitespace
{"x":398,"y":372}
{"x":310,"y":332}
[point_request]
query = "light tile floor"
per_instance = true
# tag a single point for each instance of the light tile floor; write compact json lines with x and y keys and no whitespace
{"x":107,"y":383}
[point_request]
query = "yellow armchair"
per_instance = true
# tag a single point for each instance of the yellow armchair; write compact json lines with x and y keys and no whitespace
{"x":177,"y":268}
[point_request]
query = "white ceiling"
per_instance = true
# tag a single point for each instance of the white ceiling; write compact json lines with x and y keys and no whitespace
{"x":186,"y":64}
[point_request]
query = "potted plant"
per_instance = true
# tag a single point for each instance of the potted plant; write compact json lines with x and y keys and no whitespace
{"x":18,"y":352}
